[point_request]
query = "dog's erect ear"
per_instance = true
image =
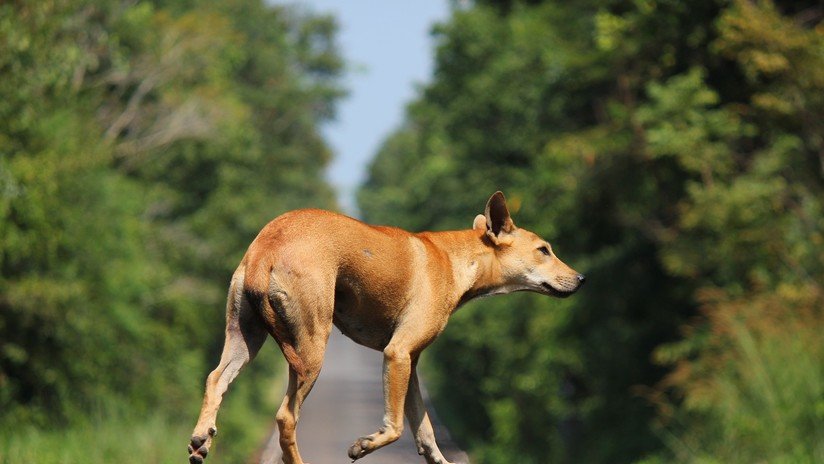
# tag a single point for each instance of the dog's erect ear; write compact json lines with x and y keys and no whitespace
{"x":479,"y":223}
{"x":498,"y":222}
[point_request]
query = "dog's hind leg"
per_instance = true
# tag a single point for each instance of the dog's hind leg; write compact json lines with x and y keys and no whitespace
{"x":289,"y":413}
{"x":245,"y":335}
{"x":300,"y":322}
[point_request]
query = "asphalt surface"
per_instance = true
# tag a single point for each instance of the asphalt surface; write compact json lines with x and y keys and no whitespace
{"x":346,"y":403}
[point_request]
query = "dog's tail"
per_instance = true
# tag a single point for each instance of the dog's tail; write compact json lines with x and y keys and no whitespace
{"x":273,"y":306}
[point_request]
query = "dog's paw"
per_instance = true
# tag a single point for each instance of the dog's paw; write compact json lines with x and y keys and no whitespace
{"x":360,"y":448}
{"x":199,"y":446}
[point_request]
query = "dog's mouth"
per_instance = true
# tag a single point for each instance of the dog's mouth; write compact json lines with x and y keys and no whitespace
{"x":552,"y":291}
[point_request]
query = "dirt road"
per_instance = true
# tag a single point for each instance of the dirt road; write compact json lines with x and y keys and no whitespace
{"x":346,"y":403}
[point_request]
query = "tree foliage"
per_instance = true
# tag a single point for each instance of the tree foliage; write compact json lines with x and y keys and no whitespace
{"x":142,"y":145}
{"x":672,"y":152}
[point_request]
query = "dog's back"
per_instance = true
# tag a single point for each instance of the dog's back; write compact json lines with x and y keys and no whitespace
{"x":315,"y":264}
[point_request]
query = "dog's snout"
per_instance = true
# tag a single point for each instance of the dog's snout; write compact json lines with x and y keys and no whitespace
{"x":581,"y":279}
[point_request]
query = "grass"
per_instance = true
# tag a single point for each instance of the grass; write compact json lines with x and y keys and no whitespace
{"x":111,"y":436}
{"x":152,"y":440}
{"x":756,"y":394}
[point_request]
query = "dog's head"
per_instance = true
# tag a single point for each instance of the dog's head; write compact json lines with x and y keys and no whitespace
{"x":527,"y":262}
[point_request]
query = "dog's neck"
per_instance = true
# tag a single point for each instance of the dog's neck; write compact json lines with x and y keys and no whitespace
{"x":475,"y":270}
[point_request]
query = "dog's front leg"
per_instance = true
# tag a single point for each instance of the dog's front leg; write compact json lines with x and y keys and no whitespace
{"x":420,"y":423}
{"x":397,"y":365}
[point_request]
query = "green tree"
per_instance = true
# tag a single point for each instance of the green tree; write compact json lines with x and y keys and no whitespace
{"x":755,"y":198}
{"x":671,"y":151}
{"x":142,"y":146}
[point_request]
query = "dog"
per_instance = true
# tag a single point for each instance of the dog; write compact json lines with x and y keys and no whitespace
{"x":383,"y":287}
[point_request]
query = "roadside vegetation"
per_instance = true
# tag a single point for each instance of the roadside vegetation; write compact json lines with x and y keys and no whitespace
{"x":673,"y":152}
{"x":142,"y":147}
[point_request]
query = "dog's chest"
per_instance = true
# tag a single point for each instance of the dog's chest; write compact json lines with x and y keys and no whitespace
{"x":360,"y":332}
{"x":363,"y":315}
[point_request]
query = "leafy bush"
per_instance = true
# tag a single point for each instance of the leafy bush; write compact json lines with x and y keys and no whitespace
{"x":672,"y":152}
{"x":142,"y":147}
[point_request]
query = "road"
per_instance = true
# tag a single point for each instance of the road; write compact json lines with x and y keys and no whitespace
{"x":346,"y":403}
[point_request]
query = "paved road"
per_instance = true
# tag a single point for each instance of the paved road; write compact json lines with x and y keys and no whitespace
{"x":346,"y":403}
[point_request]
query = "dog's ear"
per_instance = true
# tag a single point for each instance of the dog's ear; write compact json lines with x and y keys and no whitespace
{"x":479,"y":223}
{"x":498,"y":221}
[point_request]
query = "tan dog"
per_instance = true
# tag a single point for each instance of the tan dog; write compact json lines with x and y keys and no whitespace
{"x":384,"y":288}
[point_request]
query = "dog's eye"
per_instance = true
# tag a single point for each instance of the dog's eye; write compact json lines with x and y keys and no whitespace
{"x":544,"y":250}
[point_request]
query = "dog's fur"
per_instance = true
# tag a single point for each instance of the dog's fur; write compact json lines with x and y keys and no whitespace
{"x":384,"y":288}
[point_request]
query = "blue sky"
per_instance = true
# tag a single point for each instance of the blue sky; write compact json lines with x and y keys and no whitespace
{"x":389,"y":52}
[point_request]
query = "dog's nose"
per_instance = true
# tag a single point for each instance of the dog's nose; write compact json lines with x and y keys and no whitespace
{"x":581,"y":279}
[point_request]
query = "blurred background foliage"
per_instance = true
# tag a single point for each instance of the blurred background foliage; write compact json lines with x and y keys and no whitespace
{"x":673,"y":152}
{"x":142,"y":146}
